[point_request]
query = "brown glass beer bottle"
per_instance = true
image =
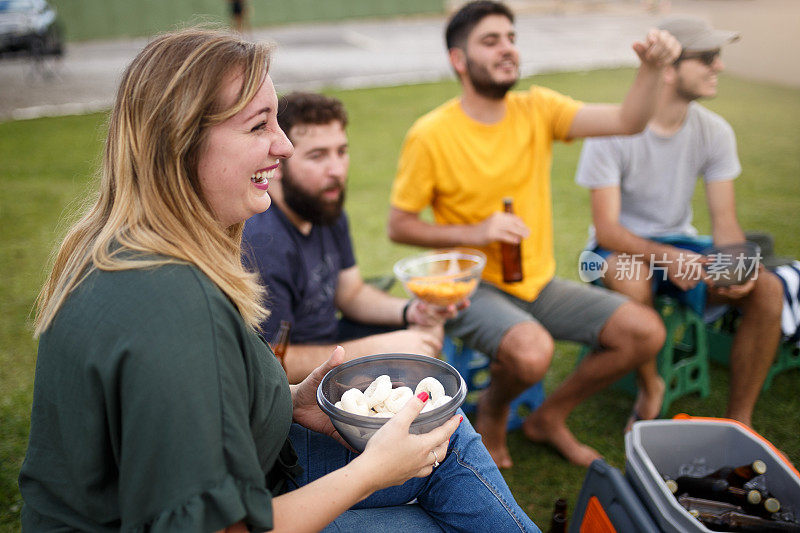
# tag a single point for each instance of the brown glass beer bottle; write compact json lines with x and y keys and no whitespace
{"x":558,"y":522}
{"x":280,"y":342}
{"x":738,"y":476}
{"x":511,"y":254}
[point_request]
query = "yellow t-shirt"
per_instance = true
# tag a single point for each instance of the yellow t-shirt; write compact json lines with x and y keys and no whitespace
{"x":463,"y":169}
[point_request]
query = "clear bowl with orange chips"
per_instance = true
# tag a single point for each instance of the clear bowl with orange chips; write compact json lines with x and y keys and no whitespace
{"x":441,"y":277}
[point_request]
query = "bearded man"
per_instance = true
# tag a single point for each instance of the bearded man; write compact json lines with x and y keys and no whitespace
{"x":303,"y":252}
{"x":462,"y":159}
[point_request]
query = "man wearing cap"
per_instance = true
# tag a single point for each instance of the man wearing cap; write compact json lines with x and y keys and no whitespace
{"x":641,"y":193}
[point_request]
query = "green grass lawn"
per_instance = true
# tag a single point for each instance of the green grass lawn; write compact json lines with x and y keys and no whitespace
{"x":46,"y":175}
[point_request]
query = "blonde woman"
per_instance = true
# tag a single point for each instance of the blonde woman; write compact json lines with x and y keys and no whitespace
{"x":156,"y":405}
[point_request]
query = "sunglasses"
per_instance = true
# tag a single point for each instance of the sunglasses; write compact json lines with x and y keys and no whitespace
{"x":706,"y":58}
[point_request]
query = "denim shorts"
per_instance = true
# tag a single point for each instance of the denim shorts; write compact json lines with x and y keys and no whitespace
{"x":695,"y":298}
{"x":568,"y":310}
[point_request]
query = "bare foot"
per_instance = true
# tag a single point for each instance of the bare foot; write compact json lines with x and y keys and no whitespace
{"x":648,"y":402}
{"x":491,"y":424}
{"x":559,"y":437}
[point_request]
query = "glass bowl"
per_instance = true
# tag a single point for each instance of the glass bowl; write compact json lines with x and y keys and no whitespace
{"x":732,"y":264}
{"x":404,"y":370}
{"x":441,"y":277}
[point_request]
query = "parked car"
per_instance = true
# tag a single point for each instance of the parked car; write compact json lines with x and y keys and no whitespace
{"x":30,"y":26}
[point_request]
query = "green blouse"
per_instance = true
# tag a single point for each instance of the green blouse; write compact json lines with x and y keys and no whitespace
{"x":155,"y":408}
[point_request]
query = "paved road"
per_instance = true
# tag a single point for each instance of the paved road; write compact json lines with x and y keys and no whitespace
{"x":351,"y":54}
{"x":584,"y":35}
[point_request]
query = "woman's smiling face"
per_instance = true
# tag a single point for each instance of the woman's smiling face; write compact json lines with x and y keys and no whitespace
{"x":241,"y":154}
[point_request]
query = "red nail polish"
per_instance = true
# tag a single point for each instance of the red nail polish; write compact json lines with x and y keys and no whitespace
{"x":460,"y":419}
{"x":423,"y":396}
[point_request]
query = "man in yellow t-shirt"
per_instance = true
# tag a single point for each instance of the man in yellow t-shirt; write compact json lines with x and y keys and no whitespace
{"x":462,"y":159}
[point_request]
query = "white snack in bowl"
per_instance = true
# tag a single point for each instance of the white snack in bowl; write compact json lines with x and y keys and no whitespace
{"x":378,"y":391}
{"x":354,"y":401}
{"x":357,"y":402}
{"x":398,"y":398}
{"x":432,"y":386}
{"x":379,"y":408}
{"x":441,"y":401}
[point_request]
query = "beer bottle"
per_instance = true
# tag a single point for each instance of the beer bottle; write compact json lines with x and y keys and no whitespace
{"x":558,"y":523}
{"x":703,"y":487}
{"x":737,"y":521}
{"x":706,"y":506}
{"x":720,"y":490}
{"x":738,"y":476}
{"x":742,"y":474}
{"x":748,"y":499}
{"x":772,"y":505}
{"x":511,"y":254}
{"x":728,"y":517}
{"x":280,"y":342}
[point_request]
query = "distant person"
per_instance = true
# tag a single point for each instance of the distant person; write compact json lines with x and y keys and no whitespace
{"x":462,"y":159}
{"x":303,"y":251}
{"x":156,"y":406}
{"x":641,"y":190}
{"x":238,"y":15}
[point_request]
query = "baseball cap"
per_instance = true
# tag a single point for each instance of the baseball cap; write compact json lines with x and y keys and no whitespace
{"x":695,"y":34}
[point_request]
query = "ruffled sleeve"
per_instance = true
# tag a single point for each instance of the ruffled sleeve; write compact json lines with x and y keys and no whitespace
{"x":217,"y":507}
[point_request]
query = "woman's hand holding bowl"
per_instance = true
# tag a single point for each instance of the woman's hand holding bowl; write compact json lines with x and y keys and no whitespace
{"x":393,"y":455}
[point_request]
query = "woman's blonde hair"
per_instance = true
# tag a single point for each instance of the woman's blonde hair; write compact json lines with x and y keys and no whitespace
{"x":150,"y":200}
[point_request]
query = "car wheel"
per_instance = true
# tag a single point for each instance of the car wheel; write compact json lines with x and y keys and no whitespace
{"x":52,"y":43}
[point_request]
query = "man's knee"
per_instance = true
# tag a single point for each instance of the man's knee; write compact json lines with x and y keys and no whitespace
{"x":766,"y":299}
{"x":635,"y":328}
{"x":526,"y":350}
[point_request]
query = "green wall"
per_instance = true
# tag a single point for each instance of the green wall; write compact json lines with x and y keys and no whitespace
{"x":104,"y":19}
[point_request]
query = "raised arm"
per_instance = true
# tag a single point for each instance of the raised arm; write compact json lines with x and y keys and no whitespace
{"x":658,"y":51}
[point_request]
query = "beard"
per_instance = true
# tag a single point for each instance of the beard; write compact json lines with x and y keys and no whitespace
{"x":307,"y":206}
{"x":685,"y":92}
{"x":483,"y":83}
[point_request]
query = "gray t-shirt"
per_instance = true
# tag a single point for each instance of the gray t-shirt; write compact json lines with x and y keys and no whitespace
{"x":657,"y":175}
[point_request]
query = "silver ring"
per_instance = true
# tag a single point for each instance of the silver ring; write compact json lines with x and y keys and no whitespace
{"x":435,"y":459}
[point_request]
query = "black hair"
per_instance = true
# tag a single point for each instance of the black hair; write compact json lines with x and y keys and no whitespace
{"x":466,"y":18}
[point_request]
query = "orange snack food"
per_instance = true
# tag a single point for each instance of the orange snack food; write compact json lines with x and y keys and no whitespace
{"x":442,"y":292}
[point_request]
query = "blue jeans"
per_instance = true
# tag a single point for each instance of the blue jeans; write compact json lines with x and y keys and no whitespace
{"x":466,"y":492}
